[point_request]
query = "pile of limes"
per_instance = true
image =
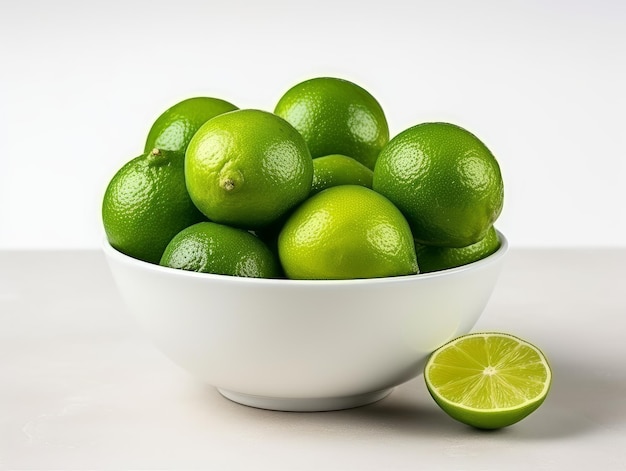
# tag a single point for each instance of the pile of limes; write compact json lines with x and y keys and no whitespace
{"x":315,"y":189}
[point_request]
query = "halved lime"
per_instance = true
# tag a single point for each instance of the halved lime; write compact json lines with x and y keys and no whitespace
{"x":488,"y":380}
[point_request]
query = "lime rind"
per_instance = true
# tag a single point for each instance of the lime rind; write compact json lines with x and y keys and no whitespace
{"x":435,"y":258}
{"x":496,"y":388}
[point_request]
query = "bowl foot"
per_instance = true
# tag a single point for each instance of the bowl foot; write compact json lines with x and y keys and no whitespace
{"x":314,"y":404}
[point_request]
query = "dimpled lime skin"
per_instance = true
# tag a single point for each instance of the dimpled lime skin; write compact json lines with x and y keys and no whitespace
{"x":208,"y":247}
{"x":335,"y":170}
{"x":146,"y":204}
{"x":175,"y":127}
{"x":346,"y":232}
{"x":247,"y":168}
{"x":431,"y":258}
{"x":336,"y":116}
{"x":445,"y":180}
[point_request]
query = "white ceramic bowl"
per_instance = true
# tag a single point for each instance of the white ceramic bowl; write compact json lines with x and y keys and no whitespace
{"x":303,"y":345}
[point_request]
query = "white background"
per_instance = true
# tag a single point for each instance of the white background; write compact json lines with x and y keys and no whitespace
{"x":540,"y":82}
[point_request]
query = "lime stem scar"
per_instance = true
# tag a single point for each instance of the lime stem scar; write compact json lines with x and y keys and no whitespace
{"x":228,"y":184}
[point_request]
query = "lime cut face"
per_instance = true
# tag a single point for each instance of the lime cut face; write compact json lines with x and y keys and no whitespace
{"x":488,"y":380}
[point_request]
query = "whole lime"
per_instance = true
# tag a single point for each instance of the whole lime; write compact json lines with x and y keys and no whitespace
{"x":434,"y":258}
{"x":336,"y":116}
{"x":346,"y":232}
{"x":446,"y":182}
{"x":247,"y":168}
{"x":336,"y":169}
{"x":146,"y":204}
{"x":208,"y":247}
{"x":175,"y":127}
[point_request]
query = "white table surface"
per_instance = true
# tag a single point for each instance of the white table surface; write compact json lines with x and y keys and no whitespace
{"x":81,"y":388}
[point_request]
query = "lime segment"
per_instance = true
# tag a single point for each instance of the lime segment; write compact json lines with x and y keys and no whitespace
{"x":488,"y":380}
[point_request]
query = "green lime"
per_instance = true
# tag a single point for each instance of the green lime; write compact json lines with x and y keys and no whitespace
{"x":445,"y":181}
{"x":336,"y":116}
{"x":247,"y":168}
{"x":146,"y":204}
{"x":336,"y":169}
{"x":432,"y":258}
{"x":208,"y":247}
{"x":488,"y":380}
{"x":346,"y":232}
{"x":173,"y":129}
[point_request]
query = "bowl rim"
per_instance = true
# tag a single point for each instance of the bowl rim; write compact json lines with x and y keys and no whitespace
{"x":111,"y":252}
